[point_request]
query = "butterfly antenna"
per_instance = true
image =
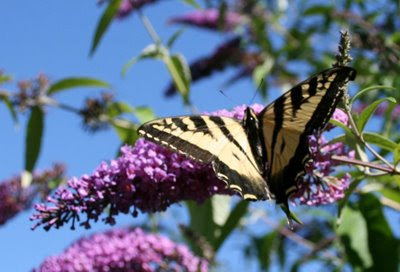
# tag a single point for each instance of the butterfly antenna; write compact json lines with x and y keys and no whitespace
{"x":229,"y":98}
{"x":261,"y":86}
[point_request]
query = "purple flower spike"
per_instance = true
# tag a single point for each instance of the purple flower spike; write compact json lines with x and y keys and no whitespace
{"x":210,"y":19}
{"x":124,"y":250}
{"x":15,"y":198}
{"x":146,"y":177}
{"x":318,"y":187}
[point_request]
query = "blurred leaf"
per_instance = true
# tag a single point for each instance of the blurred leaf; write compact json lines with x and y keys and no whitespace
{"x":383,"y":246}
{"x":264,"y":247}
{"x":201,"y":220}
{"x":10,"y":107}
{"x":260,"y":73}
{"x":174,"y":37}
{"x":144,"y":114}
{"x":369,"y":111}
{"x":192,"y":3}
{"x":392,"y":194}
{"x":319,"y":10}
{"x":104,"y":22}
{"x":180,"y":73}
{"x":117,"y":108}
{"x":371,"y":88}
{"x":5,"y":78}
{"x":354,"y":237}
{"x":380,"y":141}
{"x":75,"y":82}
{"x":33,"y":141}
{"x":231,"y":223}
{"x":126,"y":132}
{"x":151,"y":51}
{"x":396,"y":155}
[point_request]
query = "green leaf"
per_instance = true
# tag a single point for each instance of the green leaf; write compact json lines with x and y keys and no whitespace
{"x":231,"y":223}
{"x":371,"y":88}
{"x":261,"y":72}
{"x":75,"y":82}
{"x":396,"y":155}
{"x":392,"y":194}
{"x":180,"y":73}
{"x":104,"y":23}
{"x":319,"y":10}
{"x":339,"y":124}
{"x":380,"y":141}
{"x":201,"y":221}
{"x":10,"y":107}
{"x":117,"y":108}
{"x":353,"y":234}
{"x":369,"y":111}
{"x":33,"y":141}
{"x":144,"y":114}
{"x":192,"y":3}
{"x":174,"y":37}
{"x":5,"y":78}
{"x":151,"y":51}
{"x":127,"y":132}
{"x":383,"y":246}
{"x":264,"y":247}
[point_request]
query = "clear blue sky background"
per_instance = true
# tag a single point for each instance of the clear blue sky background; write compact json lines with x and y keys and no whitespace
{"x":54,"y":37}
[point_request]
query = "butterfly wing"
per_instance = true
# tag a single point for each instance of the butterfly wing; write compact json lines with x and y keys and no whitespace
{"x":220,"y":141}
{"x":289,"y":120}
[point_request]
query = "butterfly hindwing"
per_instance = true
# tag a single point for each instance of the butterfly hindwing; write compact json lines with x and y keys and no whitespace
{"x":221,"y":141}
{"x":289,"y":120}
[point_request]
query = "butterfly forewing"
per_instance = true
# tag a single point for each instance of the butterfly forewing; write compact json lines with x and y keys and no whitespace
{"x":289,"y":120}
{"x":220,"y":141}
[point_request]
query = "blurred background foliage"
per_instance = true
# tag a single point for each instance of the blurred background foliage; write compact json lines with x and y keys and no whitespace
{"x":275,"y":44}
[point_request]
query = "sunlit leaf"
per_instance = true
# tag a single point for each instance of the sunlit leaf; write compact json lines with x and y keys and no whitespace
{"x":33,"y":140}
{"x":126,"y":132}
{"x":319,"y":10}
{"x":118,"y":108}
{"x":76,"y":82}
{"x":104,"y":23}
{"x":396,"y":155}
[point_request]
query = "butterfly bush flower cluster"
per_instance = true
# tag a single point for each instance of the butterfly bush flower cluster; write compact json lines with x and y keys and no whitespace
{"x":212,"y":19}
{"x":148,"y":178}
{"x":124,"y":250}
{"x":14,"y":197}
{"x":318,"y":186}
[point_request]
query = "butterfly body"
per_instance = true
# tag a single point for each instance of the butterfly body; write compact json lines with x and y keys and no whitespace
{"x":264,"y":155}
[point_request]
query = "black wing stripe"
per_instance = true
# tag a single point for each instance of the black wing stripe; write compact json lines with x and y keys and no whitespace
{"x":312,"y":90}
{"x":278,"y":118}
{"x":180,"y":124}
{"x":297,"y":97}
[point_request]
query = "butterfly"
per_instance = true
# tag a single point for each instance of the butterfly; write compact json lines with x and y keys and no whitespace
{"x":264,"y":155}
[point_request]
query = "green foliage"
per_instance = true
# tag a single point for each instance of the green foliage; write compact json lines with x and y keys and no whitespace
{"x":33,"y":141}
{"x":75,"y":82}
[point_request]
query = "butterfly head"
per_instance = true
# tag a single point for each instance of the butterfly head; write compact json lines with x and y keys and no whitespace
{"x":250,"y":117}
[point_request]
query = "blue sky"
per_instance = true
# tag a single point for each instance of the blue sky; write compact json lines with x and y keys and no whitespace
{"x":54,"y":37}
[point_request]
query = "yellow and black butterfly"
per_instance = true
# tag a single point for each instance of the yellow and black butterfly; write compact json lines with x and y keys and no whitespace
{"x":263,"y":156}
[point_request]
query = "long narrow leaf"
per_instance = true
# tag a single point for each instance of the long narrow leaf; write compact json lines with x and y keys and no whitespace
{"x":369,"y":111}
{"x":10,"y":107}
{"x":180,"y":72}
{"x":33,"y":141}
{"x":379,"y":140}
{"x":371,"y":88}
{"x":104,"y":23}
{"x":74,"y":82}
